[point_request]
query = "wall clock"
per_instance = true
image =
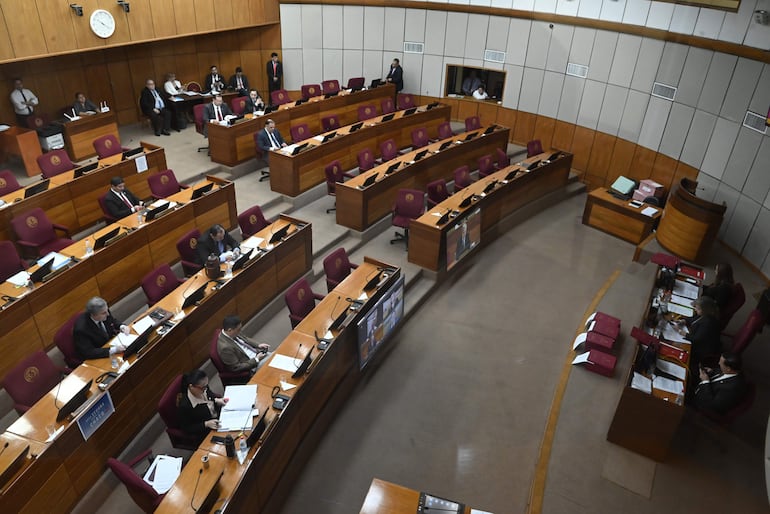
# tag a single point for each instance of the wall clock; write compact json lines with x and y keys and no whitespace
{"x":102,"y":23}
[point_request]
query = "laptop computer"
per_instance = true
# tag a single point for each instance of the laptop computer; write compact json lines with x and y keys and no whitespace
{"x":153,"y":213}
{"x":74,"y":402}
{"x":329,"y":136}
{"x":37,"y":188}
{"x":197,"y":193}
{"x":369,"y":181}
{"x":138,"y":343}
{"x":299,"y":148}
{"x":195,"y":297}
{"x":376,"y":83}
{"x":79,"y":172}
{"x":101,"y":241}
{"x":389,"y":117}
{"x":356,"y":126}
{"x":242,"y":260}
{"x":410,"y":111}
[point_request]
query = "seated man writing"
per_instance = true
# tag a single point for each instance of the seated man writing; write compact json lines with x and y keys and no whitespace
{"x":94,"y":328}
{"x":218,"y":242}
{"x":238,"y":353}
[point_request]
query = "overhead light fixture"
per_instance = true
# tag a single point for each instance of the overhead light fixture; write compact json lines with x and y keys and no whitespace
{"x":125,"y":5}
{"x":77,"y":8}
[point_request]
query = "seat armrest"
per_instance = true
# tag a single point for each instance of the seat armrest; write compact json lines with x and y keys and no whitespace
{"x":136,"y":460}
{"x":318,"y":297}
{"x":354,"y":266}
{"x":28,"y":244}
{"x":62,"y":228}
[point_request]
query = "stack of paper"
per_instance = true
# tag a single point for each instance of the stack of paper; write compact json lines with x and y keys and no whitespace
{"x":641,"y":383}
{"x":237,"y":412}
{"x":668,"y":385}
{"x":20,"y":279}
{"x":685,"y":289}
{"x":163,"y":472}
{"x":59,"y":260}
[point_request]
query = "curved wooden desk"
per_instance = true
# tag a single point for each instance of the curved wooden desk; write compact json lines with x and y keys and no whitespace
{"x":689,"y":224}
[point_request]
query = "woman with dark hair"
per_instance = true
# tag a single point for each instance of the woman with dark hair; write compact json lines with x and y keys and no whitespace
{"x":198,"y":407}
{"x":722,"y":288}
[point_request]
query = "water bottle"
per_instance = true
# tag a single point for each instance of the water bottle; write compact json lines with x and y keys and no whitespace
{"x":242,"y":445}
{"x":114,"y":361}
{"x":229,"y":269}
{"x":89,"y":247}
{"x":139,"y":218}
{"x":230,"y":446}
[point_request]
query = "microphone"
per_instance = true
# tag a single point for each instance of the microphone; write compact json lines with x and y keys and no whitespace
{"x":295,"y":355}
{"x":4,"y":447}
{"x":184,"y":293}
{"x":56,"y":396}
{"x":192,"y":499}
{"x":320,"y":339}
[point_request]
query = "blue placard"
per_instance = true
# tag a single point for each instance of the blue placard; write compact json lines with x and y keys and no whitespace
{"x":93,"y":417}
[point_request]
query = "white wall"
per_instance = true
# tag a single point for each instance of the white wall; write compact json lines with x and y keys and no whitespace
{"x":701,"y":127}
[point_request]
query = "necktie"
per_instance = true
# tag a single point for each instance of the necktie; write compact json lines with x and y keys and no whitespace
{"x":29,"y":107}
{"x":219,"y":113}
{"x":275,"y":68}
{"x":273,"y":140}
{"x":158,"y":101}
{"x":125,"y":199}
{"x":240,"y":83}
{"x":104,"y":329}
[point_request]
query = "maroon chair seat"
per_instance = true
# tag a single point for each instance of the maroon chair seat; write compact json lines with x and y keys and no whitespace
{"x":167,"y":408}
{"x":405,"y":101}
{"x":39,"y":120}
{"x":420,"y":137}
{"x":140,"y":491}
{"x":259,"y":154}
{"x":300,"y":132}
{"x":280,"y":97}
{"x":462,"y":176}
{"x":227,"y":377}
{"x":472,"y":123}
{"x":486,"y":165}
{"x":366,"y":160}
{"x":445,"y":130}
{"x":164,"y":184}
{"x":31,"y":379}
{"x":251,"y":221}
{"x":34,"y":231}
{"x":736,"y":301}
{"x":54,"y":163}
{"x":330,"y":123}
{"x":65,"y":342}
{"x":300,"y":300}
{"x":187,"y":247}
{"x":356,"y":83}
{"x":503,"y":161}
{"x":410,"y":204}
{"x":330,"y":86}
{"x":334,"y":174}
{"x":238,"y":104}
{"x":388,"y":106}
{"x":8,"y":183}
{"x":310,"y":90}
{"x":389,"y":150}
{"x":337,"y":266}
{"x":748,"y":331}
{"x":437,"y":192}
{"x":366,"y":112}
{"x":744,"y":405}
{"x":534,"y":147}
{"x":10,"y":262}
{"x":108,"y":145}
{"x":159,"y":282}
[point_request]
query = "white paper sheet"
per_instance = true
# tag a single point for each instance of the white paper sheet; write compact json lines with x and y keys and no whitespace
{"x":580,"y":359}
{"x":477,"y":511}
{"x":141,"y":163}
{"x":123,"y":339}
{"x":670,"y":333}
{"x":142,"y":324}
{"x":240,"y":397}
{"x":672,"y":369}
{"x":650,"y":211}
{"x":685,"y":289}
{"x":252,"y":242}
{"x":668,"y":385}
{"x":641,"y":383}
{"x":19,"y":279}
{"x":318,"y":138}
{"x":580,"y":339}
{"x":681,"y":310}
{"x":163,"y":472}
{"x":681,"y":300}
{"x":285,"y":363}
{"x":590,"y":318}
{"x":59,"y":260}
{"x":234,"y":420}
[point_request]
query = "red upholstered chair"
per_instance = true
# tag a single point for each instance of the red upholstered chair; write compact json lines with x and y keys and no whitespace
{"x":280,"y":97}
{"x":534,"y":147}
{"x":330,"y":86}
{"x":167,"y":408}
{"x":109,"y":218}
{"x":164,"y":184}
{"x":410,"y":204}
{"x":54,"y":162}
{"x":193,"y":86}
{"x":462,"y":177}
{"x":8,"y":183}
{"x":445,"y":130}
{"x":300,"y":300}
{"x":200,"y":125}
{"x":334,"y":174}
{"x":748,"y":331}
{"x":472,"y":123}
{"x":389,"y":150}
{"x":486,"y":165}
{"x":35,"y":232}
{"x":405,"y":101}
{"x":65,"y":342}
{"x":737,"y":299}
{"x":437,"y":192}
{"x":31,"y":379}
{"x":238,"y":104}
{"x":366,"y":160}
{"x":311,"y":90}
{"x":366,"y":112}
{"x":186,"y":246}
{"x":38,"y":121}
{"x":744,"y":405}
{"x":356,"y":83}
{"x":330,"y":123}
{"x":503,"y":161}
{"x":227,"y":377}
{"x":420,"y":137}
{"x":265,"y":173}
{"x":388,"y":106}
{"x":159,"y":282}
{"x":300,"y":132}
{"x":106,"y":146}
{"x":10,"y":262}
{"x":140,"y":491}
{"x":337,"y":266}
{"x":251,"y":221}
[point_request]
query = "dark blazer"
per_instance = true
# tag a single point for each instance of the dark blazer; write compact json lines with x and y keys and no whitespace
{"x":233,"y":355}
{"x":191,"y":419}
{"x":147,"y":101}
{"x":720,"y":396}
{"x":84,"y":107}
{"x":209,"y":82}
{"x":278,"y":73}
{"x":721,"y":293}
{"x":116,"y":206}
{"x":207,"y":246}
{"x":463,"y":243}
{"x":704,"y":335}
{"x":89,"y":338}
{"x":396,"y":76}
{"x":264,"y":141}
{"x":233,"y":84}
{"x":209,"y":114}
{"x":250,"y":107}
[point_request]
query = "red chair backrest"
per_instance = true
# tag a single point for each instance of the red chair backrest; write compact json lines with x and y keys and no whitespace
{"x":330,"y":86}
{"x":405,"y":101}
{"x":310,"y":90}
{"x":336,"y":267}
{"x":502,"y":158}
{"x":65,"y":342}
{"x":748,"y":331}
{"x":330,"y":122}
{"x":107,"y":145}
{"x":365,"y":160}
{"x":163,"y":184}
{"x":736,"y":301}
{"x":300,"y":132}
{"x":105,"y":210}
{"x":198,"y":115}
{"x":187,"y":244}
{"x":10,"y":262}
{"x":486,"y":165}
{"x":54,"y":162}
{"x":366,"y":112}
{"x":158,"y":283}
{"x":437,"y":192}
{"x":167,"y":405}
{"x":388,"y":149}
{"x":356,"y":83}
{"x":472,"y":123}
{"x":334,"y":174}
{"x":140,"y":491}
{"x":420,"y":137}
{"x":410,"y":203}
{"x":8,"y":183}
{"x":445,"y":130}
{"x":34,"y":226}
{"x":299,"y":298}
{"x":238,"y":104}
{"x":280,"y":97}
{"x":462,"y":177}
{"x":251,"y":221}
{"x":388,"y":106}
{"x":31,"y":379}
{"x":534,"y":147}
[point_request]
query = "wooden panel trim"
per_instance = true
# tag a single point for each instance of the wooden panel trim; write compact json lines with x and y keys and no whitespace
{"x":748,"y":52}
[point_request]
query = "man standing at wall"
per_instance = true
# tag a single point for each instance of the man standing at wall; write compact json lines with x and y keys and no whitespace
{"x":24,"y":102}
{"x":274,"y":75}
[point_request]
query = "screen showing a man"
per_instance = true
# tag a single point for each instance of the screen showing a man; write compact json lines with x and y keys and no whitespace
{"x":462,"y":238}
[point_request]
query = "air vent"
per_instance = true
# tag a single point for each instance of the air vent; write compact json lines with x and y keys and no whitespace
{"x":494,"y":56}
{"x":663,"y":91}
{"x":577,"y":70}
{"x":755,"y":121}
{"x":410,"y":47}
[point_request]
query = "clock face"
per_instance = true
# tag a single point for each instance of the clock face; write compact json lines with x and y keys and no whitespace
{"x":102,"y":23}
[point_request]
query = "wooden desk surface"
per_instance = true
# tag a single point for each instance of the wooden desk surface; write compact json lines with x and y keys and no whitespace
{"x":79,"y":135}
{"x":22,"y":142}
{"x":617,"y":217}
{"x":389,"y":498}
{"x":195,"y":477}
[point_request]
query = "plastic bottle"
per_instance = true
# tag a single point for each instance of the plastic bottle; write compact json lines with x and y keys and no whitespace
{"x":89,"y":247}
{"x":230,"y":446}
{"x":242,"y":445}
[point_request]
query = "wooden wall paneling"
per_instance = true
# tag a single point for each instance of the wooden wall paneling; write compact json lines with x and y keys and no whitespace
{"x":156,"y":20}
{"x":162,"y":64}
{"x":270,"y":10}
{"x":187,"y":68}
{"x":24,"y":28}
{"x":205,"y":19}
{"x":663,"y":170}
{"x":582,"y":142}
{"x":70,"y":81}
{"x":487,"y":112}
{"x":563,"y":133}
{"x":59,"y":32}
{"x":122,"y":33}
{"x":124,"y":103}
{"x":50,"y":89}
{"x":507,"y":118}
{"x":601,"y":155}
{"x":620,"y":163}
{"x":141,"y":21}
{"x":243,"y":14}
{"x":683,"y":170}
{"x":223,"y":15}
{"x":229,"y":54}
{"x":81,"y":25}
{"x":453,"y":104}
{"x":525,"y":127}
{"x":544,"y":128}
{"x":184,"y":15}
{"x":468,"y":108}
{"x":270,"y":37}
{"x":641,"y":166}
{"x":251,"y":63}
{"x":6,"y":48}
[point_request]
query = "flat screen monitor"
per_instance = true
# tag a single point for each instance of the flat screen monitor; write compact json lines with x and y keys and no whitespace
{"x":138,"y":343}
{"x":444,"y":145}
{"x":369,"y":181}
{"x":388,"y":117}
{"x":195,"y":297}
{"x":463,"y":237}
{"x":279,"y":234}
{"x":299,"y":148}
{"x":623,"y":185}
{"x":37,"y":275}
{"x":257,"y":431}
{"x":153,"y":213}
{"x":79,"y":172}
{"x":330,"y":95}
{"x":432,"y":105}
{"x":242,"y":260}
{"x":376,"y":83}
{"x":533,"y":165}
{"x":101,"y":241}
{"x":302,"y":368}
{"x":379,"y":322}
{"x":327,"y":137}
{"x":410,"y":111}
{"x":37,"y":188}
{"x":197,"y":193}
{"x":490,"y":129}
{"x":420,"y":155}
{"x":134,"y":151}
{"x":470,"y":136}
{"x":73,"y":403}
{"x":393,"y":167}
{"x":356,"y":126}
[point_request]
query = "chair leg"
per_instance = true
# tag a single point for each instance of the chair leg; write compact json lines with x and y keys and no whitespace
{"x":401,"y":237}
{"x":332,"y":209}
{"x":265,"y":176}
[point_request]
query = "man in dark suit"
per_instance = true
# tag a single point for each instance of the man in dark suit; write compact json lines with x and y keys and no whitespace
{"x":120,"y":201}
{"x":254,"y":103}
{"x":720,"y":394}
{"x":152,"y":105}
{"x":213,"y":81}
{"x":237,"y":352}
{"x":216,"y":110}
{"x":396,"y":75}
{"x":94,"y":328}
{"x":239,"y":83}
{"x":274,"y":74}
{"x":463,"y":242}
{"x":218,"y":242}
{"x":269,"y":139}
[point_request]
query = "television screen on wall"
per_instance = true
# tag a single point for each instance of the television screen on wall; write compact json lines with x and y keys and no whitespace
{"x":462,"y":80}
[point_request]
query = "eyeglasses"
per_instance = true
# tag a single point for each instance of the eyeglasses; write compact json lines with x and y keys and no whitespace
{"x":201,"y":387}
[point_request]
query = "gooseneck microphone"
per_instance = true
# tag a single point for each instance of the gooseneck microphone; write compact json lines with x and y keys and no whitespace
{"x":4,"y":447}
{"x":192,"y":499}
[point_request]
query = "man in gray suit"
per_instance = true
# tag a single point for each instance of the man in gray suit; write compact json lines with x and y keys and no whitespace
{"x":237,"y":352}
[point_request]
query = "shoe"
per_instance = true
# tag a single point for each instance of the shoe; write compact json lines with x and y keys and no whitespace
{"x":157,"y":133}
{"x":166,"y":133}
